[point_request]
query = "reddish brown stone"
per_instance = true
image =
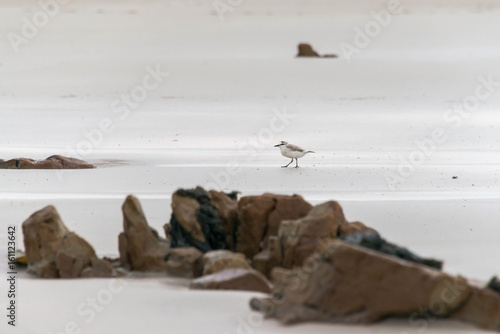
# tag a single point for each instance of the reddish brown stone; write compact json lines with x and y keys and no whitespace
{"x":52,"y":251}
{"x":185,"y":262}
{"x":140,"y":246}
{"x":347,"y":283}
{"x":306,"y":50}
{"x":261,"y":216}
{"x":300,"y":238}
{"x":53,"y":162}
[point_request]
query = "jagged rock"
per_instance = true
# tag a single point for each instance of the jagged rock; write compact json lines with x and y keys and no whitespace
{"x":351,"y":228}
{"x":195,"y":221}
{"x":306,"y":50}
{"x":227,"y":209}
{"x":219,"y":260}
{"x":233,"y":279}
{"x":481,"y":309}
{"x":300,"y":238}
{"x":140,"y":246}
{"x":53,"y":251}
{"x":494,"y":284}
{"x":373,"y":240}
{"x":349,"y":283}
{"x":184,"y":262}
{"x":261,"y":216}
{"x":52,"y":162}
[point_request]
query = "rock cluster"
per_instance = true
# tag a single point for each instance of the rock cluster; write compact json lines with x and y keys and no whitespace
{"x":322,"y":267}
{"x":52,"y":251}
{"x":52,"y":162}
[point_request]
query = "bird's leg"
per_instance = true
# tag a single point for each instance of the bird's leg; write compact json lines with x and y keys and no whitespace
{"x":296,"y":163}
{"x":287,"y":165}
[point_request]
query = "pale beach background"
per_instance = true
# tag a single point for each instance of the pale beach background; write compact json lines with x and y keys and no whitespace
{"x":234,"y":89}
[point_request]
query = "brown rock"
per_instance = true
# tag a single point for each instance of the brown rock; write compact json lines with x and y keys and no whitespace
{"x":269,"y":258}
{"x":184,"y":262}
{"x":51,"y":250}
{"x":286,"y":207}
{"x":306,"y":50}
{"x":219,"y":260}
{"x":73,"y":255}
{"x":351,"y":228}
{"x":140,"y":246}
{"x":347,"y":283}
{"x":233,"y":279}
{"x":195,"y":221}
{"x":227,"y":209}
{"x":184,"y":208}
{"x":300,"y":238}
{"x":481,"y":309}
{"x":43,"y":232}
{"x":254,"y":213}
{"x":52,"y":162}
{"x":261,"y":216}
{"x":99,"y":268}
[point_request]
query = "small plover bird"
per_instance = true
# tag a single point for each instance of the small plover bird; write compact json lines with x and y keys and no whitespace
{"x":291,"y":151}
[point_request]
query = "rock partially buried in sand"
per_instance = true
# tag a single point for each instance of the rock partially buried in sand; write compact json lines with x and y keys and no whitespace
{"x":219,"y":260}
{"x":52,"y":251}
{"x":233,"y":279}
{"x":261,"y":217}
{"x":197,"y":222}
{"x":306,"y":50}
{"x":348,"y":283}
{"x":52,"y":162}
{"x":140,"y":246}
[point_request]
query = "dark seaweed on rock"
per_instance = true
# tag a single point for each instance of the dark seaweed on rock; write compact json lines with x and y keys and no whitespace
{"x":494,"y":284}
{"x":208,"y":219}
{"x":373,"y":240}
{"x":232,"y":195}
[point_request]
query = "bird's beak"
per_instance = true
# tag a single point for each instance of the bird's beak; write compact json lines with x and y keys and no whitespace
{"x":277,"y":145}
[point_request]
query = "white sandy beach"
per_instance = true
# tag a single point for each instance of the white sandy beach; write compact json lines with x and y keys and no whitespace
{"x":234,"y":89}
